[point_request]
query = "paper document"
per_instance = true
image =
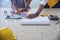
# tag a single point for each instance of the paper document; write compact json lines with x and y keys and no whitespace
{"x":38,"y":20}
{"x":13,"y":15}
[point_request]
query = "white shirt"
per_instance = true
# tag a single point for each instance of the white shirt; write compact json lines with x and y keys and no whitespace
{"x":36,"y":3}
{"x":43,"y":2}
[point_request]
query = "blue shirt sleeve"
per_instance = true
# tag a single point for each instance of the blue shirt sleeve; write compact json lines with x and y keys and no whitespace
{"x":13,"y":1}
{"x":18,"y":3}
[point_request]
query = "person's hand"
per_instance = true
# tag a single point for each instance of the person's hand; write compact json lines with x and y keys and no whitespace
{"x":25,"y":9}
{"x":17,"y":11}
{"x":31,"y":16}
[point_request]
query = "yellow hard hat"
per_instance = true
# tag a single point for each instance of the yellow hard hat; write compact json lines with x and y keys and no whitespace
{"x":6,"y":34}
{"x":52,"y":3}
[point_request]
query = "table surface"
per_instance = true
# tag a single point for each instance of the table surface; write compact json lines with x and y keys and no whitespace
{"x":32,"y":32}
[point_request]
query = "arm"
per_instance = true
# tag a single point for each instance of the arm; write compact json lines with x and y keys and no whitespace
{"x":37,"y":13}
{"x":16,"y":9}
{"x":42,"y":4}
{"x":14,"y":6}
{"x":28,"y":3}
{"x":39,"y":9}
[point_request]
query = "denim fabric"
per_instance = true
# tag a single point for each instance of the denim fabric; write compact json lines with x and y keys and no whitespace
{"x":19,"y":3}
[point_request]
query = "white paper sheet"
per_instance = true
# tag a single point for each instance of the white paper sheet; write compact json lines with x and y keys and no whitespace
{"x":38,"y":20}
{"x":13,"y":15}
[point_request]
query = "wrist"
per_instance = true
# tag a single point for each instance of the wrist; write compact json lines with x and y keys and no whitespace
{"x":37,"y":13}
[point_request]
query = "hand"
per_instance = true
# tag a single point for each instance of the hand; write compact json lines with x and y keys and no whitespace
{"x":25,"y":9}
{"x":32,"y":16}
{"x":17,"y":11}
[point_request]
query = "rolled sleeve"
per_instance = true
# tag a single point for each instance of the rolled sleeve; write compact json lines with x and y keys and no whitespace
{"x":44,"y":2}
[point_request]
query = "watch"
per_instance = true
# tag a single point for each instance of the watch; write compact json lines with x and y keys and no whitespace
{"x":37,"y":13}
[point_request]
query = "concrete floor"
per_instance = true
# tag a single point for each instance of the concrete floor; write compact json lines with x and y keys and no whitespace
{"x":32,"y":32}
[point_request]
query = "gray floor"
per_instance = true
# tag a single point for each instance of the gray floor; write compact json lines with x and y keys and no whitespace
{"x":31,"y":32}
{"x":5,"y":3}
{"x":26,"y":32}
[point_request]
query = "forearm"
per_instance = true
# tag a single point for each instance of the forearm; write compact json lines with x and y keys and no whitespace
{"x":42,"y":4}
{"x":28,"y":2}
{"x":15,"y":8}
{"x":40,"y":8}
